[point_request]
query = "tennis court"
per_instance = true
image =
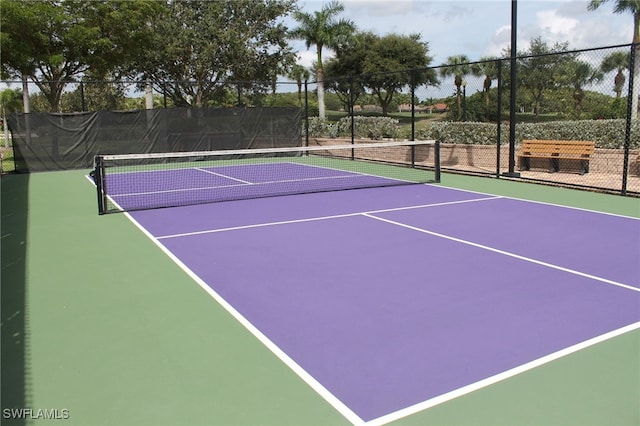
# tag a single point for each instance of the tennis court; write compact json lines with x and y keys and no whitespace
{"x":417,"y":304}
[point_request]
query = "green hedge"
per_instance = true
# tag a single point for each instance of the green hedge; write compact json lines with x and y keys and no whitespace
{"x":605,"y":133}
{"x":364,"y":127}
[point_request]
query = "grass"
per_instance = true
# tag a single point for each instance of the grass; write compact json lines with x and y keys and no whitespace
{"x":7,"y":160}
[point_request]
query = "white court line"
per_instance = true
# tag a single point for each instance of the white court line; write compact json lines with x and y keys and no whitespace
{"x":330,"y":398}
{"x":275,"y":349}
{"x":440,"y":399}
{"x":224,"y":176}
{"x":317,"y":166}
{"x":312,"y":219}
{"x":503,"y":252}
{"x":546,"y":203}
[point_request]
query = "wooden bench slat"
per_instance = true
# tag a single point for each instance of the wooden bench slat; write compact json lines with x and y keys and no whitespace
{"x":557,"y":150}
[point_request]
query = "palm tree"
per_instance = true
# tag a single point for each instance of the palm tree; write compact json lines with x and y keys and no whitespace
{"x":459,"y":67}
{"x":322,"y":29}
{"x":616,"y":61}
{"x":625,"y":6}
{"x":299,"y":74}
{"x":581,"y":73}
{"x":488,"y":68}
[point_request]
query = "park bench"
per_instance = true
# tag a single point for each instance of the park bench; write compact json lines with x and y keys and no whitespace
{"x":555,"y":151}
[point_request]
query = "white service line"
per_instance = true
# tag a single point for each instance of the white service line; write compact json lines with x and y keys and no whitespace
{"x":311,"y":219}
{"x":224,"y":176}
{"x":503,"y":252}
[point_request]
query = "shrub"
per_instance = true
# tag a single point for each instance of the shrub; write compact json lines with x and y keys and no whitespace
{"x":605,"y":133}
{"x":369,"y":127}
{"x":471,"y":133}
{"x":375,"y":128}
{"x":319,"y":128}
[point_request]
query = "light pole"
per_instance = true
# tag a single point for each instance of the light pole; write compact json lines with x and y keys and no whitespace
{"x":512,"y":108}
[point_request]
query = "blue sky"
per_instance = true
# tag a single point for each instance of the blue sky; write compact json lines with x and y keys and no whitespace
{"x":479,"y":28}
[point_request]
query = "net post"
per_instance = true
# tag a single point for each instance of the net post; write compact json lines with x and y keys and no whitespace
{"x":436,"y":155}
{"x":98,"y":177}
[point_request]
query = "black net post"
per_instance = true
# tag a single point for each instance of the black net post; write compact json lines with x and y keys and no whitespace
{"x":499,"y":125}
{"x":306,"y":113}
{"x":98,"y":177}
{"x":436,"y":159}
{"x":351,"y":113}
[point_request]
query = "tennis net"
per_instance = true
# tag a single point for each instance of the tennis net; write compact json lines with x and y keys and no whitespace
{"x":150,"y":181}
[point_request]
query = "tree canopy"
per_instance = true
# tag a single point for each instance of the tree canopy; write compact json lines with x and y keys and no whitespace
{"x":54,"y":42}
{"x":202,"y":45}
{"x":195,"y":46}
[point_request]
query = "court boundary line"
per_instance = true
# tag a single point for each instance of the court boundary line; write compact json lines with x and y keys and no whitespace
{"x":306,"y":377}
{"x":547,"y":203}
{"x":424,"y":405}
{"x":500,"y":377}
{"x":504,"y":252}
{"x":317,"y":218}
{"x":439,"y":399}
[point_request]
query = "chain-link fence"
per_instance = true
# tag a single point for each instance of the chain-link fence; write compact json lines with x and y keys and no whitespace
{"x":569,"y":96}
{"x":558,"y":100}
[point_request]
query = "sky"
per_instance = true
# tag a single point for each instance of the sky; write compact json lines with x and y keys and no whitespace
{"x":480,"y":28}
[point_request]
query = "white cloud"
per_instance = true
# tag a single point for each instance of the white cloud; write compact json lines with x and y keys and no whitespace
{"x":500,"y":41}
{"x":555,"y":25}
{"x":306,"y":58}
{"x":480,"y":28}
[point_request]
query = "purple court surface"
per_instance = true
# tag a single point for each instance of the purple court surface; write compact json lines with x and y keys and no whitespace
{"x":391,"y":298}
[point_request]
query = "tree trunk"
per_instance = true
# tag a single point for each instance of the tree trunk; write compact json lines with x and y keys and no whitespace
{"x":148,"y":96}
{"x":321,"y":109}
{"x":25,"y":95}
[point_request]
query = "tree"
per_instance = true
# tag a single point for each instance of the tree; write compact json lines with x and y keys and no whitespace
{"x":343,"y":73}
{"x":122,"y":33}
{"x":541,"y":69}
{"x":616,"y":61}
{"x":459,"y":67}
{"x":579,"y":74}
{"x":53,"y":42}
{"x":396,"y":61}
{"x":322,"y":29}
{"x":633,"y":7}
{"x":22,"y":42}
{"x":202,"y":47}
{"x":9,"y":102}
{"x":299,"y":74}
{"x":488,"y":68}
